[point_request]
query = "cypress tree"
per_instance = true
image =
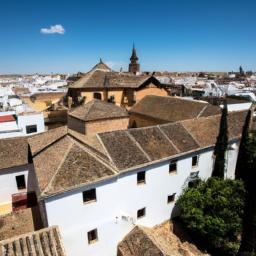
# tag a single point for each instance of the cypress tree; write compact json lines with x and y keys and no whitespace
{"x":244,"y":144}
{"x":221,"y":146}
{"x":248,"y":244}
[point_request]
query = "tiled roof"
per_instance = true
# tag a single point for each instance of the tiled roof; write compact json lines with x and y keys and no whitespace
{"x":101,"y":66}
{"x":135,"y":147}
{"x":172,"y":109}
{"x":7,"y":118}
{"x":98,"y":109}
{"x":44,"y":242}
{"x":42,"y":140}
{"x":64,"y":162}
{"x":102,"y":79}
{"x":13,"y":152}
{"x":157,"y":241}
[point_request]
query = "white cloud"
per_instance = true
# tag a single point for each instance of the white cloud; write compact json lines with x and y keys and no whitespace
{"x":56,"y":29}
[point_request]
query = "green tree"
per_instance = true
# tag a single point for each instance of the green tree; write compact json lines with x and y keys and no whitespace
{"x":248,"y":244}
{"x":213,"y":211}
{"x":242,"y":160}
{"x":221,"y":146}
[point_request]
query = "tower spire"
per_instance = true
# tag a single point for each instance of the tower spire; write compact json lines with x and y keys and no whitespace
{"x":134,"y":66}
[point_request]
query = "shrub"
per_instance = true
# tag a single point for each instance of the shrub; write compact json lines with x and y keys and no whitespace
{"x":213,"y":211}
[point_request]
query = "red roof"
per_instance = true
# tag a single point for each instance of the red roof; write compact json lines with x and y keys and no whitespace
{"x":8,"y":118}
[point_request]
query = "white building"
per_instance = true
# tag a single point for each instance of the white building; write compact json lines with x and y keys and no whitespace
{"x":96,"y":189}
{"x":15,"y":174}
{"x":22,"y":124}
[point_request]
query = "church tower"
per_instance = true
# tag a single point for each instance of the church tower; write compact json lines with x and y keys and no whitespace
{"x":134,"y":66}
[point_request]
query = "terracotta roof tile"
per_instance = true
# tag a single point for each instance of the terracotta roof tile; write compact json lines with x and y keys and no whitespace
{"x":42,"y":140}
{"x":172,"y":109}
{"x":13,"y":152}
{"x":98,"y":109}
{"x":44,"y":242}
{"x":122,"y":149}
{"x":102,"y":79}
{"x":180,"y":137}
{"x":153,"y":142}
{"x":47,"y":162}
{"x":79,"y":167}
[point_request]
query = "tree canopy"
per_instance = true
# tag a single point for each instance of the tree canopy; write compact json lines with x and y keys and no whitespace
{"x":213,"y":211}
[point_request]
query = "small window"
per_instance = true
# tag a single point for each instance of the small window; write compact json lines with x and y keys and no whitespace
{"x":173,"y":167}
{"x":97,"y":95}
{"x":171,"y":198}
{"x":194,"y":161}
{"x":111,"y":99}
{"x":92,"y":236}
{"x":31,"y":129}
{"x":141,"y":213}
{"x":141,"y":178}
{"x":20,"y":181}
{"x":89,"y":196}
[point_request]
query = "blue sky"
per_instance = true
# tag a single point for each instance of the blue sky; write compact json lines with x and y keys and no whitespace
{"x":173,"y":35}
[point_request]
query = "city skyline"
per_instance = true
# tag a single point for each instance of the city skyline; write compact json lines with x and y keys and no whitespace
{"x":71,"y":36}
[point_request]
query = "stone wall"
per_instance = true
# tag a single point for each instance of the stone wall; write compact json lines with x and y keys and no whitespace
{"x":76,"y":124}
{"x":98,"y":126}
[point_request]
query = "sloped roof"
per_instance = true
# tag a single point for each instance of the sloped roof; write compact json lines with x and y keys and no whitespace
{"x":42,"y":140}
{"x":105,"y":79}
{"x":64,"y":163}
{"x":13,"y":152}
{"x":44,"y":242}
{"x":140,"y":146}
{"x":172,"y":109}
{"x":157,"y":241}
{"x":98,"y":109}
{"x":101,"y":66}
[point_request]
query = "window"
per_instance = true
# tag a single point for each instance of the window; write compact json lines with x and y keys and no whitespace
{"x":141,"y":213}
{"x":173,"y":167}
{"x":111,"y":99}
{"x":97,"y":95}
{"x":194,"y":161}
{"x":141,"y":178}
{"x":171,"y":198}
{"x":20,"y":181}
{"x":89,"y":196}
{"x":31,"y":128}
{"x":92,"y":236}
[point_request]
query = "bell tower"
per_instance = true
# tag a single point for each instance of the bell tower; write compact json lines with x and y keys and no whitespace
{"x":134,"y":66}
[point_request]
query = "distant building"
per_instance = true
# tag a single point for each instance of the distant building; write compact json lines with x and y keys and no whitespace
{"x":134,"y":66}
{"x":22,"y":124}
{"x":123,"y":89}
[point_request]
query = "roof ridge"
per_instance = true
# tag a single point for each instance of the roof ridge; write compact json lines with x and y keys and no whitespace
{"x":48,"y":145}
{"x":106,"y":151}
{"x":197,"y":142}
{"x":201,"y":112}
{"x":165,"y":135}
{"x":60,"y":164}
{"x":91,"y":105}
{"x":137,"y":144}
{"x":146,"y":231}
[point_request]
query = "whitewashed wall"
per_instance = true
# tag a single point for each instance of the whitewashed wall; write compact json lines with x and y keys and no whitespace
{"x":33,"y":119}
{"x":120,"y":197}
{"x":8,"y":184}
